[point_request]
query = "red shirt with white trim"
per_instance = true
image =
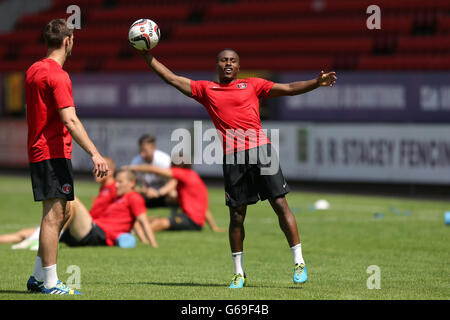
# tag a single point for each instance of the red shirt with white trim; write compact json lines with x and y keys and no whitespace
{"x":235,"y":107}
{"x":105,"y":196}
{"x":120,"y":216}
{"x":192,"y":194}
{"x":48,"y":88}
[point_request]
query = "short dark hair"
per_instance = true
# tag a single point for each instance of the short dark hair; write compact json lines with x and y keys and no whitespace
{"x":226,"y":49}
{"x":146,"y":138}
{"x":55,"y":32}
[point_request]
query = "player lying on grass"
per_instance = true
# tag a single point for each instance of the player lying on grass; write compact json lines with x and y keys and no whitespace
{"x":233,"y":105}
{"x":118,"y":218}
{"x":29,"y":238}
{"x":192,"y":199}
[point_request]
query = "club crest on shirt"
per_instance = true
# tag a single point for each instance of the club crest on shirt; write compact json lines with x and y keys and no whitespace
{"x":66,"y":188}
{"x":242,"y":85}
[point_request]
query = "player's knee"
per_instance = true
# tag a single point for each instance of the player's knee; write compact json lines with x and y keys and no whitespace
{"x":237,"y":216}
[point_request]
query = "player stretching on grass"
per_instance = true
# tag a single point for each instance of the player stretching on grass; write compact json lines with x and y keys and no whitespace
{"x":52,"y":122}
{"x":233,"y":104}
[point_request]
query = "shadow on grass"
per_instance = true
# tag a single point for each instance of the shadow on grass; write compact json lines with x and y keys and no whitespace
{"x":16,"y":291}
{"x":193,"y":284}
{"x":177,"y":284}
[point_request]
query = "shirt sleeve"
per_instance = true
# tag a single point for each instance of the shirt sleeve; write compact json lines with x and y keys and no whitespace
{"x":62,"y":90}
{"x":262,"y":87}
{"x":137,"y":204}
{"x":198,"y":89}
{"x":179,"y":173}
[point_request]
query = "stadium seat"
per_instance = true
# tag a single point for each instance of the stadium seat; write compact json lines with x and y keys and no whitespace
{"x":424,"y":44}
{"x":290,"y":28}
{"x":129,"y":14}
{"x":405,"y":62}
{"x":283,"y":35}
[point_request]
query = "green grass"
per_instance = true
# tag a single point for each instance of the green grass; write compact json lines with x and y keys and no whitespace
{"x":339,"y":244}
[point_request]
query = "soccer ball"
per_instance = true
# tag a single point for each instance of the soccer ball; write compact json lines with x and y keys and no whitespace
{"x":144,"y":34}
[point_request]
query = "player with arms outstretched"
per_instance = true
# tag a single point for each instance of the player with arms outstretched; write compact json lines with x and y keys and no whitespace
{"x":233,"y":105}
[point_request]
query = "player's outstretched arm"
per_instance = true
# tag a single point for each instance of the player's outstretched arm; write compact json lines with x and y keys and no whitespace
{"x":148,"y":168}
{"x":79,"y":134}
{"x":299,"y":87}
{"x":181,"y":83}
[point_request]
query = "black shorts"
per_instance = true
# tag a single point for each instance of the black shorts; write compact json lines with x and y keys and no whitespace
{"x":253,"y":175}
{"x":183,"y":222}
{"x":155,"y":202}
{"x":95,"y":237}
{"x":52,"y":178}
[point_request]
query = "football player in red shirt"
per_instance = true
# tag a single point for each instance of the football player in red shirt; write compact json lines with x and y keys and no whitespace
{"x":192,"y":199}
{"x":107,"y":192}
{"x":233,"y":105}
{"x":106,"y":195}
{"x":52,"y":123}
{"x":118,"y":218}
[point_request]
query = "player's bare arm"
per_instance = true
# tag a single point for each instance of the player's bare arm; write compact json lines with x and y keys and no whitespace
{"x":143,"y":221}
{"x":299,"y":87}
{"x":168,"y":187}
{"x":181,"y":83}
{"x":79,"y":134}
{"x":148,"y":168}
{"x":212,"y":223}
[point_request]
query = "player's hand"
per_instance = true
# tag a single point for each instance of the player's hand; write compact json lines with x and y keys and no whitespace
{"x":152,"y":193}
{"x":100,"y":166}
{"x":145,"y":54}
{"x":218,"y":229}
{"x":326,"y":79}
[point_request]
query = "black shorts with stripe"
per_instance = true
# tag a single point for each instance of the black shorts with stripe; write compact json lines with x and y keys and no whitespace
{"x":253,"y":175}
{"x":52,"y":178}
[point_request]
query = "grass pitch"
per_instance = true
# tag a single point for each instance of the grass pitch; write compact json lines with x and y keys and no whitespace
{"x":406,"y":238}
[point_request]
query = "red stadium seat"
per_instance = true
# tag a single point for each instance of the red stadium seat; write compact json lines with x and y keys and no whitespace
{"x":280,"y":46}
{"x":404,"y":62}
{"x":130,"y":14}
{"x":283,"y":35}
{"x":424,"y":44}
{"x":83,"y":4}
{"x":290,"y":28}
{"x":20,"y":37}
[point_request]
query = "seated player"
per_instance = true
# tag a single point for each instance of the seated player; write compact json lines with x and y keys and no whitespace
{"x":192,"y":198}
{"x":158,"y":191}
{"x":29,"y":238}
{"x":118,"y":218}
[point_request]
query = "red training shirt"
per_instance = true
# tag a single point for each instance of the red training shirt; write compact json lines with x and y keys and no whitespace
{"x":235,"y":106}
{"x":105,"y":196}
{"x":192,"y":194}
{"x":120,"y":216}
{"x":48,"y":88}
